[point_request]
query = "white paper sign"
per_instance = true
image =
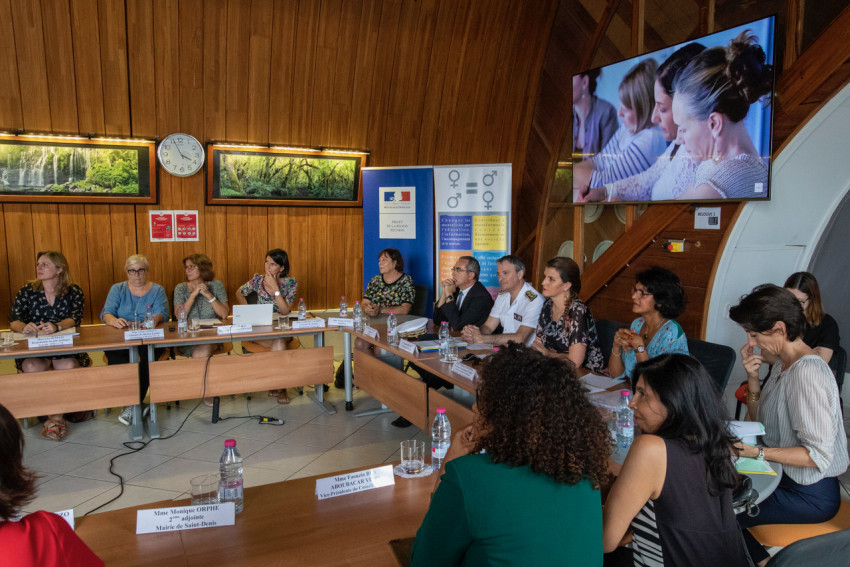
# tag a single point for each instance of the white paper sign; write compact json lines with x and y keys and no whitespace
{"x":464,"y":370}
{"x":397,"y":212}
{"x":707,"y":218}
{"x":233,"y":329}
{"x":49,"y":341}
{"x":341,"y":322}
{"x":68,"y":516}
{"x":185,"y":518}
{"x":144,"y":334}
{"x":407,"y":346}
{"x":316,"y":323}
{"x":371,"y":332}
{"x":354,"y":482}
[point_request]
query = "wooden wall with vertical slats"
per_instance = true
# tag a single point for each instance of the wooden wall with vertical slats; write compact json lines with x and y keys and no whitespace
{"x":415,"y":82}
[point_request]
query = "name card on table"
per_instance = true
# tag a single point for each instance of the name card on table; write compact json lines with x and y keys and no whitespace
{"x":341,"y":322}
{"x":144,"y":334}
{"x":407,"y":346}
{"x":371,"y":332}
{"x":49,"y":341}
{"x":233,"y":329}
{"x":317,"y":323}
{"x":68,"y":516}
{"x":464,"y":370}
{"x":354,"y":482}
{"x":185,"y":518}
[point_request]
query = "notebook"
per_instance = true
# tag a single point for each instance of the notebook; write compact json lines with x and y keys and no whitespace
{"x":254,"y":315}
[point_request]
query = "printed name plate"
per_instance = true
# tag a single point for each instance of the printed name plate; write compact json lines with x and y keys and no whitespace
{"x":68,"y":516}
{"x":340,"y":322}
{"x":144,"y":334}
{"x":464,"y":370}
{"x":316,"y":323}
{"x":407,"y":346}
{"x":63,"y":340}
{"x":233,"y":329}
{"x":371,"y":332}
{"x":354,"y":482}
{"x":185,"y":518}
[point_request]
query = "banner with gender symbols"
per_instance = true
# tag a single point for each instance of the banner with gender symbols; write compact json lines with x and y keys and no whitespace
{"x":473,"y":218}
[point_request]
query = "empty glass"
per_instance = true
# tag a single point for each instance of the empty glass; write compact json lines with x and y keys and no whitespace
{"x":204,"y":489}
{"x":412,"y":456}
{"x":451,"y":350}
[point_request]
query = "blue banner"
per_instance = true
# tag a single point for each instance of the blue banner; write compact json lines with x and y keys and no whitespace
{"x":398,"y":212}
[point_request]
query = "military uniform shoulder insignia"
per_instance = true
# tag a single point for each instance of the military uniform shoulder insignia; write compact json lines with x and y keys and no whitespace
{"x":531,"y":295}
{"x":502,"y":292}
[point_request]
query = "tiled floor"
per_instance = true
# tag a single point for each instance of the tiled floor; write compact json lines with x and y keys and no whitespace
{"x":75,"y":472}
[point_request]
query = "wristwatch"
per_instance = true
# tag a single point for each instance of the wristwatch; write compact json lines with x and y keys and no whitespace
{"x":58,"y":327}
{"x":640,"y":349}
{"x":277,"y":294}
{"x":761,"y":453}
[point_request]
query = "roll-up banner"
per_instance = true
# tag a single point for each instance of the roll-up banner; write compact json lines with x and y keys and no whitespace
{"x":473,"y":206}
{"x":398,"y":208}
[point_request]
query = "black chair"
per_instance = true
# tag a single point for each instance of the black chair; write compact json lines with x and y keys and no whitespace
{"x":717,"y":359}
{"x":606,"y":329}
{"x":418,"y":307}
{"x":827,"y":549}
{"x":838,"y":365}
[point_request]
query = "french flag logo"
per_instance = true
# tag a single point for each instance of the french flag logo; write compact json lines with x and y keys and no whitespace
{"x":398,"y":196}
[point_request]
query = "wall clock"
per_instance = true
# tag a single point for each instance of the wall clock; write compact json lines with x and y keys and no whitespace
{"x":180,"y":154}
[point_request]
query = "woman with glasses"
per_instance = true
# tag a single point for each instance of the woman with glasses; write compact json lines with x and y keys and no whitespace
{"x":657,"y":298}
{"x":127,"y":302}
{"x":821,"y":332}
{"x":45,"y":306}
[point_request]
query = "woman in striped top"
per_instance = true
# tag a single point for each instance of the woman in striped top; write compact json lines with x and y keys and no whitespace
{"x":800,"y":409}
{"x":675,"y":487}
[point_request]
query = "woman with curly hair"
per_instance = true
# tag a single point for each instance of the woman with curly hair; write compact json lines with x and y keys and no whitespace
{"x":674,"y":491}
{"x":520,"y":485}
{"x":657,"y":297}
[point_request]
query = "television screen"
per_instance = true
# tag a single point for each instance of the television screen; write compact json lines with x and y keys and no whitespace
{"x":690,"y":122}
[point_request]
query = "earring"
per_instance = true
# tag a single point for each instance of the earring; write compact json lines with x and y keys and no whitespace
{"x":714,"y":154}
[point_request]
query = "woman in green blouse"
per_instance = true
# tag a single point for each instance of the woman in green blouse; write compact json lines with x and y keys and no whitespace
{"x":532,"y":496}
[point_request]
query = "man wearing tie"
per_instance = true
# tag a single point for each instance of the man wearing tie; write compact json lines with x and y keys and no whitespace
{"x":464,"y":300}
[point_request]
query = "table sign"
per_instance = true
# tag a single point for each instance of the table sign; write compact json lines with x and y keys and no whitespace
{"x":464,"y":370}
{"x":68,"y":516}
{"x":144,"y":334}
{"x":185,"y":518}
{"x":341,"y":322}
{"x":49,"y":341}
{"x":233,"y":329}
{"x":371,"y":332}
{"x":407,"y":346}
{"x":317,"y":323}
{"x":354,"y":482}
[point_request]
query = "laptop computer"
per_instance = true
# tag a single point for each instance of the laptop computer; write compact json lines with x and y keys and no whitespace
{"x":254,"y":315}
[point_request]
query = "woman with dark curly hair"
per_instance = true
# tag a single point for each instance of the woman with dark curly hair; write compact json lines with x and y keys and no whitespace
{"x":40,"y":538}
{"x":520,"y":484}
{"x":658,"y":297}
{"x":675,"y":488}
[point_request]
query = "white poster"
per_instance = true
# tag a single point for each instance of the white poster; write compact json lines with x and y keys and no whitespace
{"x":397,"y":212}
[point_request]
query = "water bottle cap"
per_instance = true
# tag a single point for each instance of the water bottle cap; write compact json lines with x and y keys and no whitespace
{"x":342,"y":297}
{"x":356,"y":303}
{"x":625,"y":392}
{"x":230,"y":443}
{"x":391,"y":313}
{"x":149,"y":305}
{"x":441,"y":410}
{"x":495,"y":349}
{"x":300,"y":299}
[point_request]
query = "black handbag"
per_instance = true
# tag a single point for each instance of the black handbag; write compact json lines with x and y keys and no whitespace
{"x":744,"y":497}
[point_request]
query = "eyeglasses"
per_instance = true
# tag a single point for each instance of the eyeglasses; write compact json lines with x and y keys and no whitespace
{"x":640,"y":292}
{"x":190,"y":267}
{"x":138,"y":272}
{"x":456,"y":269}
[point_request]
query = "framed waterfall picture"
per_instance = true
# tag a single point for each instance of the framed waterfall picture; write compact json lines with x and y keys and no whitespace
{"x":259,"y":175}
{"x":71,"y":169}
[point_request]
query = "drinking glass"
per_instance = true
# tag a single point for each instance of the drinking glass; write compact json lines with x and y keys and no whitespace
{"x":204,"y":489}
{"x":412,"y":456}
{"x":283,"y":323}
{"x":8,"y":339}
{"x":451,"y":350}
{"x":194,"y":324}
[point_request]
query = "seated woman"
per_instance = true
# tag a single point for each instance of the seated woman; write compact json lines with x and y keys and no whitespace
{"x":519,"y":486}
{"x":674,"y":490}
{"x":800,"y":409}
{"x":276,"y":287}
{"x":566,"y":328}
{"x":713,"y":95}
{"x":44,"y":306}
{"x":127,"y":302}
{"x":657,"y":297}
{"x":203,"y":298}
{"x":594,"y":119}
{"x":40,"y":538}
{"x":635,"y":146}
{"x":821,"y":332}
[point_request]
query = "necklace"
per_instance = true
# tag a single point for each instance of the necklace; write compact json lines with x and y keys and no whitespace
{"x":652,"y":332}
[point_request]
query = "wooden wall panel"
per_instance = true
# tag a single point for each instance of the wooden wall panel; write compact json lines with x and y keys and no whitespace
{"x":10,"y":103}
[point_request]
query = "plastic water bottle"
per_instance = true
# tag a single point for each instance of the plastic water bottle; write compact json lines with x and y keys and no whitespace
{"x":625,"y":421}
{"x":358,"y":317}
{"x":230,"y":485}
{"x":444,"y":338}
{"x":441,"y":438}
{"x":149,"y":322}
{"x":182,"y":327}
{"x":343,"y":307}
{"x":302,"y":310}
{"x":392,"y":329}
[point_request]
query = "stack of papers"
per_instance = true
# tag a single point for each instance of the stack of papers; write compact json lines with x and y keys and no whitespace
{"x":431,"y":346}
{"x":68,"y":331}
{"x":747,"y":465}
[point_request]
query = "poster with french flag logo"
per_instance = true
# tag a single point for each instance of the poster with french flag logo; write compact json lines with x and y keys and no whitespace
{"x":397,"y":212}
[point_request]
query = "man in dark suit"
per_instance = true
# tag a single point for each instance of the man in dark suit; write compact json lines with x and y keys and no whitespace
{"x":464,"y":300}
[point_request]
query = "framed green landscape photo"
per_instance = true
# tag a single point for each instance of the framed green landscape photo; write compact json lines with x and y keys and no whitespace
{"x":69,"y":169}
{"x":245,"y":175}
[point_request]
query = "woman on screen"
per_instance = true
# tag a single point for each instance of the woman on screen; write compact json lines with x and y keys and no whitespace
{"x":594,"y":119}
{"x":635,"y":146}
{"x":713,"y":94}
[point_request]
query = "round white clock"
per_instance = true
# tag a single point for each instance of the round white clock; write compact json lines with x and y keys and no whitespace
{"x":180,"y":154}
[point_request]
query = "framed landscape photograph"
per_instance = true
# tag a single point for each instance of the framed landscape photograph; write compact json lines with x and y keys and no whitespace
{"x":244,"y":175}
{"x":68,"y":169}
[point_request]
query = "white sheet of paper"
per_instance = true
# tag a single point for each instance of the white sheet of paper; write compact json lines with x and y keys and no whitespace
{"x":350,"y":483}
{"x":602,"y":382}
{"x":68,"y":331}
{"x":144,"y":334}
{"x":593,"y":389}
{"x":340,"y":322}
{"x":50,"y":341}
{"x":464,"y":370}
{"x":371,"y":332}
{"x":233,"y":329}
{"x":407,"y":346}
{"x":68,"y":516}
{"x":185,"y":518}
{"x":316,"y":323}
